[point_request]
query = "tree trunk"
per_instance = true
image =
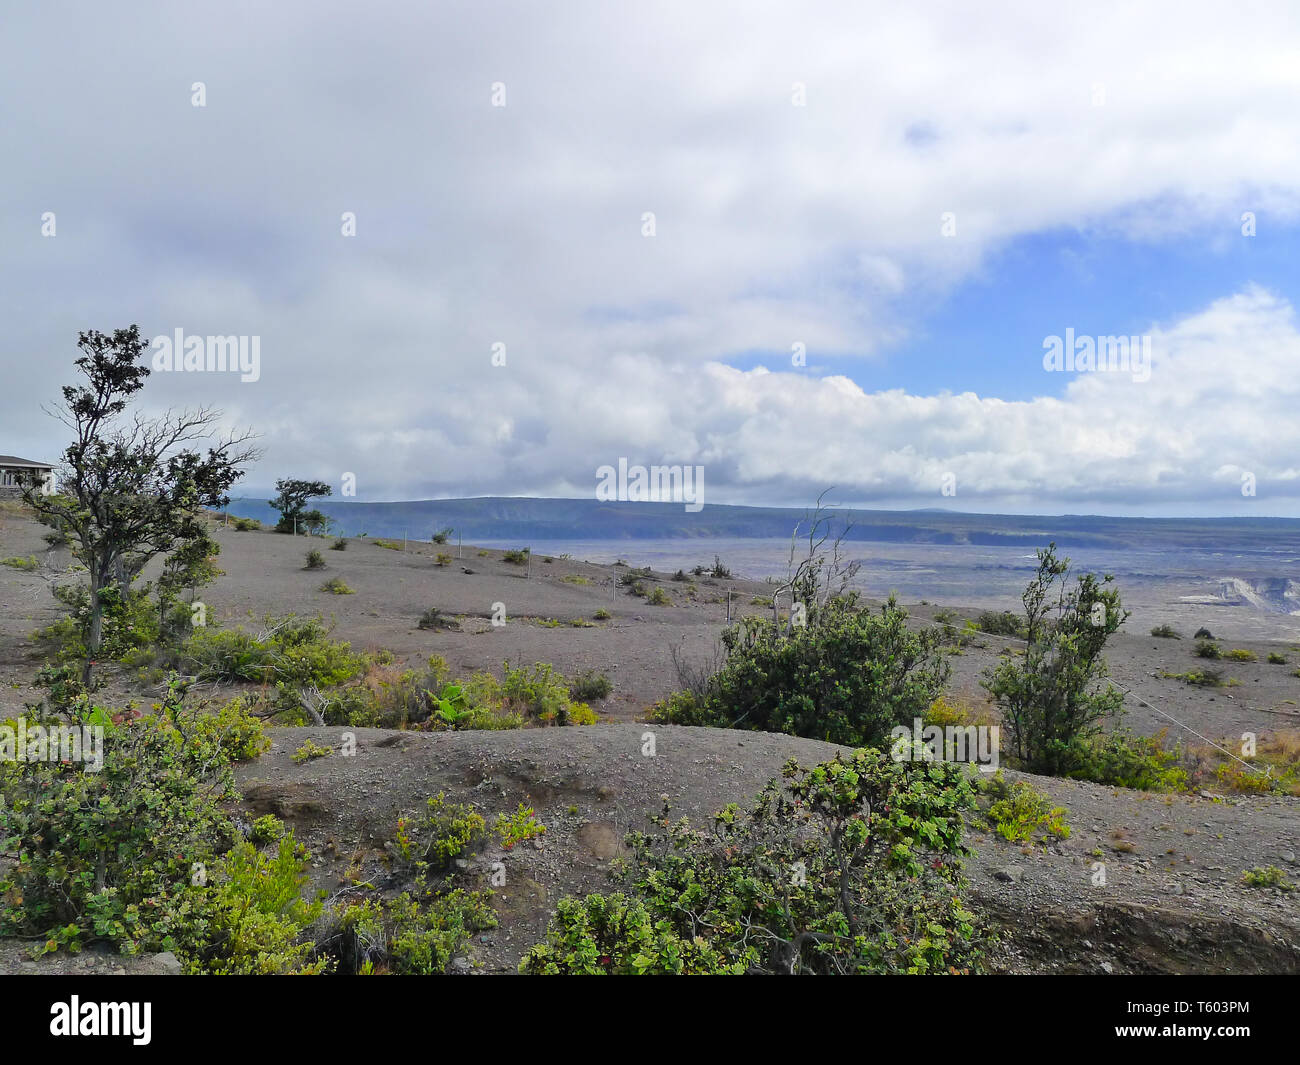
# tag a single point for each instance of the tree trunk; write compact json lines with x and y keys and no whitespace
{"x":95,"y":630}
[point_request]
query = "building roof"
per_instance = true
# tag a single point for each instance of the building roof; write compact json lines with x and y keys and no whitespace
{"x":13,"y":460}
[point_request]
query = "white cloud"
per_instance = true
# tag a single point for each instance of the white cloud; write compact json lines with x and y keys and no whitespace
{"x":776,"y":224}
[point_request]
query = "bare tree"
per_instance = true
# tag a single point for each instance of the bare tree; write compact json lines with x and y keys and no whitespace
{"x":821,"y":574}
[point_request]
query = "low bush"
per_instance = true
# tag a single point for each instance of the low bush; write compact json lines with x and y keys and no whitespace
{"x":848,"y":867}
{"x":589,"y":686}
{"x":314,"y":560}
{"x":1121,"y":759}
{"x":1166,"y":632}
{"x":1022,"y":813}
{"x":337,"y":586}
{"x":1003,"y":624}
{"x":1267,"y":876}
{"x":142,"y":855}
{"x":848,"y":676}
{"x":1207,"y":649}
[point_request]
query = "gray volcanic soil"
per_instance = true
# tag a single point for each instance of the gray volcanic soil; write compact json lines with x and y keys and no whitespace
{"x":1173,"y":903}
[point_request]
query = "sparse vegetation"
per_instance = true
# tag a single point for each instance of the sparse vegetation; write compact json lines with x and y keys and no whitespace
{"x":314,"y":560}
{"x":336,"y":586}
{"x":1166,"y":632}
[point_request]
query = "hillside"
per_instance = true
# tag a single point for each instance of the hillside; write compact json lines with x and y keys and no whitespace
{"x":1173,"y":900}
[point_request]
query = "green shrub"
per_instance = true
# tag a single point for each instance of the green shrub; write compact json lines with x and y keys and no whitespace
{"x":602,"y":615}
{"x":1055,"y":693}
{"x":130,"y":623}
{"x":589,"y":686}
{"x":142,"y":856}
{"x":310,"y":751}
{"x":1023,"y":812}
{"x":1207,"y":649}
{"x":1166,"y":632}
{"x":1121,"y":759}
{"x":292,"y":652}
{"x":407,"y":936}
{"x":235,"y":730}
{"x":336,"y":586}
{"x":256,"y":914}
{"x":14,"y":562}
{"x":519,"y":826}
{"x":516,"y":557}
{"x":314,"y":560}
{"x":1199,"y":678}
{"x":1240,"y":654}
{"x":433,"y":618}
{"x":1276,"y":659}
{"x":1267,"y":876}
{"x":339,"y":545}
{"x":442,"y":833}
{"x":848,"y":676}
{"x":826,"y":873}
{"x":1003,"y":624}
{"x":684,"y":708}
{"x":614,"y":935}
{"x":542,"y":695}
{"x":247,"y":524}
{"x":659,"y":597}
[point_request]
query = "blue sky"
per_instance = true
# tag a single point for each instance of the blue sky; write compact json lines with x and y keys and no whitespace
{"x":985,"y":335}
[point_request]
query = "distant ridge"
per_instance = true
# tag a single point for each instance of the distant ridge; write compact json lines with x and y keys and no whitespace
{"x":523,"y":519}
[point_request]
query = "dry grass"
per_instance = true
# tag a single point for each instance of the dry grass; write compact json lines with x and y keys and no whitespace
{"x":1278,"y":753}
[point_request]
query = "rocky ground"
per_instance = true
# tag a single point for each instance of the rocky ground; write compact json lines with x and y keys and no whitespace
{"x":1145,"y":883}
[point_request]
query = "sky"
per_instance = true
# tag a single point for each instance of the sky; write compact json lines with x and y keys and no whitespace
{"x":487,"y":248}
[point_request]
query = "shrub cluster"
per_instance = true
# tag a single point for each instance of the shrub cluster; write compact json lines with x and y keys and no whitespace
{"x":849,"y":867}
{"x":848,"y":676}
